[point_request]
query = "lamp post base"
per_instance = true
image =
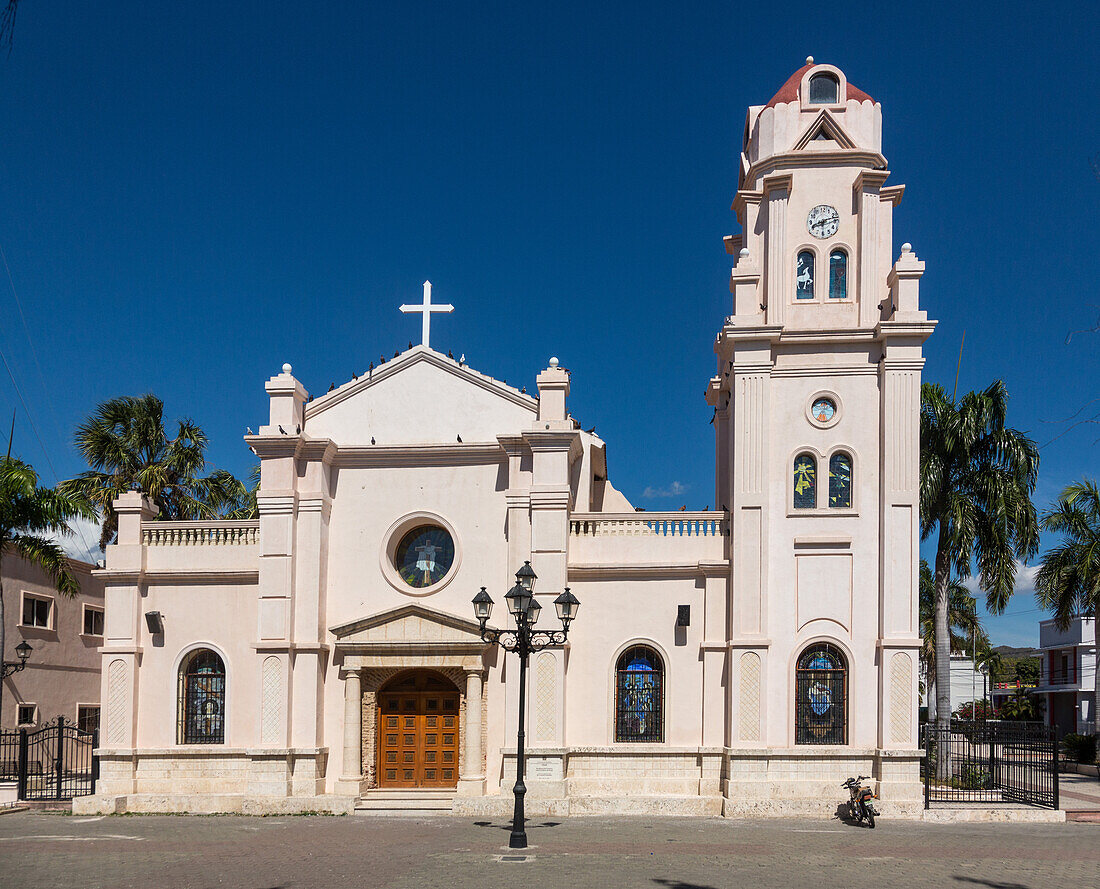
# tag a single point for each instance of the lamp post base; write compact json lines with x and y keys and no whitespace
{"x":518,"y":837}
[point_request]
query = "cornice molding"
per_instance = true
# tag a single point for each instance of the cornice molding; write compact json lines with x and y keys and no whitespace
{"x":872,"y":160}
{"x":171,"y":576}
{"x":593,"y":571}
{"x":464,"y":454}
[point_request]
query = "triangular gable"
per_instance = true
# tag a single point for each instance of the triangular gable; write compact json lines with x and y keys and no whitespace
{"x":824,"y":125}
{"x":411,"y":625}
{"x":420,"y":397}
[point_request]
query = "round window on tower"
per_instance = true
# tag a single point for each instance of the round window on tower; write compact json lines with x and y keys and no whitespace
{"x":823,"y":409}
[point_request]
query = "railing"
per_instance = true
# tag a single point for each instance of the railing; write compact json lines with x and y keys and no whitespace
{"x":990,"y":763}
{"x":649,"y":524}
{"x":54,"y":762}
{"x":223,"y":533}
{"x":1060,"y":677}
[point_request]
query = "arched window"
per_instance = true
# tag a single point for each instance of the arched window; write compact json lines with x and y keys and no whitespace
{"x":824,"y":89}
{"x":821,"y":696}
{"x":639,"y":695}
{"x":840,"y":481}
{"x":804,"y":275}
{"x":200,"y":715}
{"x":838,"y":275}
{"x":805,"y":481}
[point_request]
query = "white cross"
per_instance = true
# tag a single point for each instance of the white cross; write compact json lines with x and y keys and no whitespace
{"x":426,"y":308}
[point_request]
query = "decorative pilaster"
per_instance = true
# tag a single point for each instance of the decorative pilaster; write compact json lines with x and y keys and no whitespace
{"x":472,"y":781}
{"x":777,"y":193}
{"x":351,"y":774}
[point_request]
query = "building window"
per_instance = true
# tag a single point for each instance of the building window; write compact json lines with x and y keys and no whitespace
{"x":27,"y":715}
{"x":424,"y":556}
{"x":824,"y":90}
{"x":201,"y":713}
{"x":639,"y":695}
{"x":87,"y":718}
{"x":804,"y":282}
{"x":840,"y":481}
{"x":805,"y":481}
{"x":838,"y":275}
{"x":36,"y":612}
{"x":93,"y":621}
{"x":821,"y":696}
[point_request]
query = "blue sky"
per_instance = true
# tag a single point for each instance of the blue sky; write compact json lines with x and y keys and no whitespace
{"x":192,"y":194}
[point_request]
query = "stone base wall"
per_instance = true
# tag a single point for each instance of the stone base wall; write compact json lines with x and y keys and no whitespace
{"x":213,"y":771}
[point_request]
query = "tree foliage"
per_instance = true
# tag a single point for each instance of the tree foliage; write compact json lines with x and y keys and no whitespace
{"x":127,"y":446}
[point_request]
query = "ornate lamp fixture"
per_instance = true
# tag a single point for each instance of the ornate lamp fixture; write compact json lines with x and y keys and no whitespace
{"x":523,"y":640}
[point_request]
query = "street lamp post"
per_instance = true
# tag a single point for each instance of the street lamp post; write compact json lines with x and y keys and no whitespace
{"x":523,"y":640}
{"x":9,"y":667}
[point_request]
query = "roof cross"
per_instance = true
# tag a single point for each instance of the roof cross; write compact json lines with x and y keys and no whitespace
{"x":426,"y":308}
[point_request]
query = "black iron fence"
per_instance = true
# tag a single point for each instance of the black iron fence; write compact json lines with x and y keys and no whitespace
{"x":990,"y":763}
{"x":54,"y":762}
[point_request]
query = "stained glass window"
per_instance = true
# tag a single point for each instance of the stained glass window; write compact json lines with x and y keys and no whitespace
{"x":805,"y":481}
{"x":840,"y":481}
{"x":821,"y":696}
{"x":838,"y":275}
{"x":804,"y":280}
{"x":824,"y":89}
{"x":639,"y":711}
{"x":201,"y":704}
{"x":823,"y":410}
{"x":424,"y":556}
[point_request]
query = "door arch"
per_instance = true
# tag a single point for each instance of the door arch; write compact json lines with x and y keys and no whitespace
{"x":418,"y":715}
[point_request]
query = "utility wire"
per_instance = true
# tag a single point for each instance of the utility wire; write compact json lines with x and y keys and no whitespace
{"x":18,"y":391}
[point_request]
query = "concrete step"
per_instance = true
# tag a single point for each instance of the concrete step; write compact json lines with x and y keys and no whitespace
{"x":405,"y":802}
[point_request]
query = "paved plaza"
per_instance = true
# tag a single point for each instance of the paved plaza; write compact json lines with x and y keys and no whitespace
{"x":161,"y":851}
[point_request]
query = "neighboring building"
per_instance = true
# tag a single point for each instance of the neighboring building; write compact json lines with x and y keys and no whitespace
{"x":966,"y":685}
{"x":1068,"y":678}
{"x":62,"y":674}
{"x":744,"y":659}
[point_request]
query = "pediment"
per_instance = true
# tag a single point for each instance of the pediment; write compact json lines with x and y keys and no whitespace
{"x":408,"y":626}
{"x":824,"y":127}
{"x":420,"y":396}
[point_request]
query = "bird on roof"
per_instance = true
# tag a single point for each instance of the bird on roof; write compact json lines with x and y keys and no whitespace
{"x":298,"y":429}
{"x":523,"y":391}
{"x":308,"y":400}
{"x":396,"y":352}
{"x":381,"y":359}
{"x":282,"y":430}
{"x":590,"y":431}
{"x":410,"y":344}
{"x":451,"y":355}
{"x":460,"y":439}
{"x":355,"y":376}
{"x":683,"y":508}
{"x":248,"y":429}
{"x":331,"y":386}
{"x":372,"y":440}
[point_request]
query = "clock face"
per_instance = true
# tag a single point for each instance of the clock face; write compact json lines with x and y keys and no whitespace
{"x":823,"y":221}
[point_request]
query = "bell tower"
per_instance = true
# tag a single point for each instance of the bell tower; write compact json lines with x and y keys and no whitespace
{"x":816,"y":401}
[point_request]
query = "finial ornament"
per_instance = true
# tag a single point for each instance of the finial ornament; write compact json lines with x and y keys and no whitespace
{"x":553,"y":362}
{"x":287,"y":368}
{"x":906,"y":247}
{"x":809,"y":60}
{"x":426,"y":308}
{"x":744,"y":252}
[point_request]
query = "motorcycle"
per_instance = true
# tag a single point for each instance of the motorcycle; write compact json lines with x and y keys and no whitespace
{"x":860,"y":802}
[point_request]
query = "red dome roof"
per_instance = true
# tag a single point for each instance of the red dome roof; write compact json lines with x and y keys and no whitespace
{"x":789,"y":91}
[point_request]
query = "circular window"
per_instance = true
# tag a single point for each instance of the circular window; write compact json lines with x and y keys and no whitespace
{"x":823,"y":409}
{"x":424,"y":556}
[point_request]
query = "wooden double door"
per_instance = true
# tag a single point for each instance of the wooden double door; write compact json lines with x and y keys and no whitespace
{"x":418,"y":731}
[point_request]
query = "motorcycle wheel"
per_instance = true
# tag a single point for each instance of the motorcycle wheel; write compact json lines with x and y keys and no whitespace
{"x":871,"y":820}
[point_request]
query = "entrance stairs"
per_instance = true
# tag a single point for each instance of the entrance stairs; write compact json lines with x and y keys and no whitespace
{"x":406,"y":803}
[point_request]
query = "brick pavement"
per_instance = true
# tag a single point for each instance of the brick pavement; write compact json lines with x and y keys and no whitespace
{"x":166,"y":852}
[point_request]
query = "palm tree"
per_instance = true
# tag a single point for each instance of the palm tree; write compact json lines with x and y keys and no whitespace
{"x":127,"y":446}
{"x":1068,"y":581}
{"x":976,"y":481}
{"x":962,"y":620}
{"x":29,"y":517}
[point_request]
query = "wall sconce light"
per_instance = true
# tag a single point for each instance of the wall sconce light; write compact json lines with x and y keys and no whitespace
{"x":683,"y":615}
{"x":154,"y":620}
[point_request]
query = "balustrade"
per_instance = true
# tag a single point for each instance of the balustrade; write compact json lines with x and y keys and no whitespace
{"x":652,"y":524}
{"x":225,"y":533}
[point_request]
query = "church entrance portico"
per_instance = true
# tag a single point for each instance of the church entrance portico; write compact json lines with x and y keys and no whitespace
{"x":418,"y":731}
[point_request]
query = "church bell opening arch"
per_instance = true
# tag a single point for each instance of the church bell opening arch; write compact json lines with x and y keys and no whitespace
{"x":418,"y":731}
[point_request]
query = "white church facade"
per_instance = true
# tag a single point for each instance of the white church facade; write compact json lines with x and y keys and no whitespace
{"x":747,"y":658}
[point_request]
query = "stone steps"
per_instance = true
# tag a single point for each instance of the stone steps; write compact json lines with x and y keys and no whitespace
{"x":405,"y":802}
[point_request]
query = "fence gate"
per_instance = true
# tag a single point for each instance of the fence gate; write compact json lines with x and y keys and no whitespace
{"x":54,"y":762}
{"x":991,"y":763}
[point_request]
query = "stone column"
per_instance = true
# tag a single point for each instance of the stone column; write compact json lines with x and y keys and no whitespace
{"x":472,"y":780}
{"x":352,"y":772}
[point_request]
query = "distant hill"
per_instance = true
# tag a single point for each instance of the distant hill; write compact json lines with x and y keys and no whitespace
{"x":1007,"y":651}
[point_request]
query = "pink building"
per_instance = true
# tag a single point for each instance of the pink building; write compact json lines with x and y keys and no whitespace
{"x":62,"y":673}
